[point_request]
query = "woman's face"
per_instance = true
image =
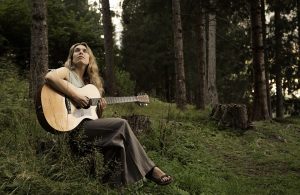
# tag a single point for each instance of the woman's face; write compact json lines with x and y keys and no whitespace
{"x":80,"y":55}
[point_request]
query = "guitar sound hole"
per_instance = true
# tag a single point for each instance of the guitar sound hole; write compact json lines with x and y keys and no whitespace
{"x":86,"y":107}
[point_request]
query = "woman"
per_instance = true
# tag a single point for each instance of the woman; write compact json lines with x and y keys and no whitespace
{"x":114,"y":135}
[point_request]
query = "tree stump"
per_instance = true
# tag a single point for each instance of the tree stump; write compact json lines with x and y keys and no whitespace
{"x":138,"y":123}
{"x":231,"y":115}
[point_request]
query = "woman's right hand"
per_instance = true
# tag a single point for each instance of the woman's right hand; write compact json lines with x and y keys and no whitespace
{"x":81,"y":101}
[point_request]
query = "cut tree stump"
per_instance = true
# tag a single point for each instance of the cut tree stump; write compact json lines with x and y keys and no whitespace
{"x":138,"y":123}
{"x":231,"y":115}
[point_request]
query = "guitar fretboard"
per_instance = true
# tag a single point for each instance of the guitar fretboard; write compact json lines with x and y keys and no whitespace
{"x":114,"y":100}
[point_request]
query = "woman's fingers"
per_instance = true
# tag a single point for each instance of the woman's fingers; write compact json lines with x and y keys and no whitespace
{"x":102,"y":103}
{"x":86,"y":101}
{"x":82,"y":101}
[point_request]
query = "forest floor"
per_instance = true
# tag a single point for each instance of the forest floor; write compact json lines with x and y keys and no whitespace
{"x":202,"y":158}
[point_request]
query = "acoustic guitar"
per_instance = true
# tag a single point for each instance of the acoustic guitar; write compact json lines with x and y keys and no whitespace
{"x":56,"y":113}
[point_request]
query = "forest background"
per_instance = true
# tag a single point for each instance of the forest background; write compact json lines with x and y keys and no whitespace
{"x":216,"y":52}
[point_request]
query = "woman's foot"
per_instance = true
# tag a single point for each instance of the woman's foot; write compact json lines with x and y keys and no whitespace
{"x":158,"y":176}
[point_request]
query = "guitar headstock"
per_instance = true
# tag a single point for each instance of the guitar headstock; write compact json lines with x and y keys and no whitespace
{"x":143,"y":99}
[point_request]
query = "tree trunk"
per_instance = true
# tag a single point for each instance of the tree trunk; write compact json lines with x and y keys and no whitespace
{"x":211,"y":56}
{"x":201,"y":91}
{"x":260,"y":103}
{"x":263,"y":19}
{"x":179,"y":61}
{"x":298,"y":23}
{"x":108,"y":46}
{"x":39,"y":47}
{"x":278,"y":61}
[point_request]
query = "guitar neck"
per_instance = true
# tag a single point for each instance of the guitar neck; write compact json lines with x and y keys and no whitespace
{"x":115,"y":100}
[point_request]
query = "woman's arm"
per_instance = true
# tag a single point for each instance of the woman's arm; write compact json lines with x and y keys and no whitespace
{"x":58,"y":80}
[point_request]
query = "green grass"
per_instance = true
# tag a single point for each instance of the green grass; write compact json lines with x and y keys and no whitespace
{"x":202,"y":158}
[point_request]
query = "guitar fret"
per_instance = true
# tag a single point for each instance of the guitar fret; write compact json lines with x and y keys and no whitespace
{"x":114,"y":100}
{"x":94,"y":101}
{"x":122,"y":99}
{"x":118,"y":100}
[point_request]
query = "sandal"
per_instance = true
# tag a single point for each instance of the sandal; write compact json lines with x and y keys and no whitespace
{"x":158,"y":181}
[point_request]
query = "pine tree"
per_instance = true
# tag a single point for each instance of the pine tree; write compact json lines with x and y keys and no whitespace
{"x":39,"y":46}
{"x":180,"y":96}
{"x":278,"y":61}
{"x":211,"y":55}
{"x":108,"y":45}
{"x":260,"y":104}
{"x":202,"y":89}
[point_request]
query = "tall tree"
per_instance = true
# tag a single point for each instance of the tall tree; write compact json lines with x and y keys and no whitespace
{"x":298,"y":24}
{"x":201,"y":34}
{"x":211,"y":54}
{"x":39,"y":46}
{"x":267,"y":71}
{"x":260,"y":103}
{"x":180,"y":96}
{"x":108,"y":46}
{"x":278,"y":61}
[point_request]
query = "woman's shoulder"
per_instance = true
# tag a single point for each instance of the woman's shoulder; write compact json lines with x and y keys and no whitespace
{"x":61,"y":72}
{"x":63,"y":69}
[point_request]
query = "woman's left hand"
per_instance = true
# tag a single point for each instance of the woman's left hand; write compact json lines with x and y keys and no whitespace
{"x":102,"y":104}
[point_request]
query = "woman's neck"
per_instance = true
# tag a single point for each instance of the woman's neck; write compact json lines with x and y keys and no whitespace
{"x":80,"y":71}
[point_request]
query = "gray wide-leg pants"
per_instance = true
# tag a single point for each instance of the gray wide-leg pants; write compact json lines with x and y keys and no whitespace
{"x":116,"y":134}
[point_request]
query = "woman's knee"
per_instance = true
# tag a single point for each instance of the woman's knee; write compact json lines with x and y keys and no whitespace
{"x":122,"y":121}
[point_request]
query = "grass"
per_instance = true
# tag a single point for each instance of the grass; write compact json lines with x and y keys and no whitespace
{"x":202,"y":158}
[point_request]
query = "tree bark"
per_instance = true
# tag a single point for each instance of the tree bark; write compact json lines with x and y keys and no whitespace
{"x":231,"y":115}
{"x":39,"y":47}
{"x":298,"y":23}
{"x":179,"y":60}
{"x":260,"y":103}
{"x":278,"y":61}
{"x":201,"y":91}
{"x":211,"y":55}
{"x":108,"y":46}
{"x":267,"y":69}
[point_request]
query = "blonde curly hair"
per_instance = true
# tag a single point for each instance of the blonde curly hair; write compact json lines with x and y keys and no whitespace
{"x":91,"y":75}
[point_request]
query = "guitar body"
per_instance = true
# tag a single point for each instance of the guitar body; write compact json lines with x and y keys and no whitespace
{"x":56,"y":113}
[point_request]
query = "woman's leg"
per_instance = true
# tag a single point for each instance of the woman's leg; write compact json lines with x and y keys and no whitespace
{"x":116,"y":134}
